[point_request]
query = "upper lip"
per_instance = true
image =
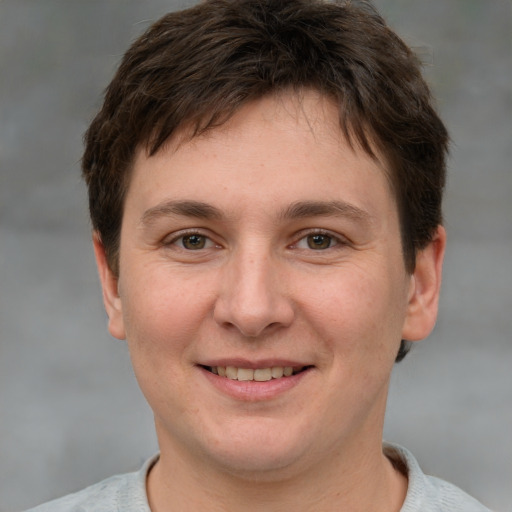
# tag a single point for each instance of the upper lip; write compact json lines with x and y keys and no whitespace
{"x":253,"y":364}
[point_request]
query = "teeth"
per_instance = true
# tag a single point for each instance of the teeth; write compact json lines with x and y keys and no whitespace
{"x":258,"y":375}
{"x":262,"y":374}
{"x":277,"y":372}
{"x":231,"y":372}
{"x":245,"y":374}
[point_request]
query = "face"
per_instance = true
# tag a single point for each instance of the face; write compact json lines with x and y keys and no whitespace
{"x":262,"y":290}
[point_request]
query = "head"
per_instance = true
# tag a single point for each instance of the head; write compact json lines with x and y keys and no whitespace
{"x":194,"y":69}
{"x":265,"y":181}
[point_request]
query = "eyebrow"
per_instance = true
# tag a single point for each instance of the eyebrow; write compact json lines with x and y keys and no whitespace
{"x":297,"y":210}
{"x":303,"y":209}
{"x":188,"y":208}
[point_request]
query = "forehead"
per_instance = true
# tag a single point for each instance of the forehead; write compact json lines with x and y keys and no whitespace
{"x":281,"y":143}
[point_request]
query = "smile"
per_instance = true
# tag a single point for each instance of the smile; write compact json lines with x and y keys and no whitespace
{"x":258,"y":374}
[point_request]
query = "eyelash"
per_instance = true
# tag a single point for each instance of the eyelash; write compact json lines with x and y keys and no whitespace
{"x":182,"y":235}
{"x":334,"y":240}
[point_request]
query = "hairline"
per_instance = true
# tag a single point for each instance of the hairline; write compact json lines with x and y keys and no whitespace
{"x":191,"y":129}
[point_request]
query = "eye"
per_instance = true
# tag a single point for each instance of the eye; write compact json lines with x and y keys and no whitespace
{"x":320,"y":242}
{"x":317,"y":242}
{"x":193,"y":242}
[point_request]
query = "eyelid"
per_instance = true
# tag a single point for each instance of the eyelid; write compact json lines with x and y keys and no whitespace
{"x":172,"y":238}
{"x":301,"y":235}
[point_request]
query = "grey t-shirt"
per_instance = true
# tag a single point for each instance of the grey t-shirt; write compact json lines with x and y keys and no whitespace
{"x":127,"y":493}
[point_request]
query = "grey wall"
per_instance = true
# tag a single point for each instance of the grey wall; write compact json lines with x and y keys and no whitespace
{"x":70,"y":411}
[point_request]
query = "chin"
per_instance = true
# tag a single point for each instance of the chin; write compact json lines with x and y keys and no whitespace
{"x":257,"y":465}
{"x":258,"y":453}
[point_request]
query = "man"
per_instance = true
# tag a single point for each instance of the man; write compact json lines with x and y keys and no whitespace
{"x":265,"y":183}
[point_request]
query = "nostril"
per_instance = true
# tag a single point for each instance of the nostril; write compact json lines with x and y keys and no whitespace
{"x":253,"y":309}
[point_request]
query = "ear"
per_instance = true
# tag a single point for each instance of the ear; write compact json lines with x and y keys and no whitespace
{"x":424,"y":290}
{"x":109,"y":285}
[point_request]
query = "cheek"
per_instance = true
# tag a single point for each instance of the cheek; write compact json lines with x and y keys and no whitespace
{"x":163,"y":315}
{"x":359,"y":313}
{"x":163,"y":322}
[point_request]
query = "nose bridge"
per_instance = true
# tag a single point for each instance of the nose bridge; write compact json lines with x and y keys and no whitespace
{"x":253,"y":297}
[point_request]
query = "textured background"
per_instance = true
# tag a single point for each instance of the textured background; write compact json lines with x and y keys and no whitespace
{"x":70,"y":411}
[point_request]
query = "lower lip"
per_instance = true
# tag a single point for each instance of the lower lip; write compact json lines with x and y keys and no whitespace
{"x":252,"y":391}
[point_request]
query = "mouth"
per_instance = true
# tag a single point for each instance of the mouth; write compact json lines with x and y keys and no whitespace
{"x":257,"y":374}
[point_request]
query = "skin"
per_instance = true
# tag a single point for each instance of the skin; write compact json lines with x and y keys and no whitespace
{"x":294,"y":257}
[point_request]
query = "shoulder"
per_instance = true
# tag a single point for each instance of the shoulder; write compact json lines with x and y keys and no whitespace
{"x":101,"y":497}
{"x":447,"y":497}
{"x":125,"y":492}
{"x":427,"y":493}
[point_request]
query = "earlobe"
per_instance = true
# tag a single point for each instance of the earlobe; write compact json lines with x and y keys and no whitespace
{"x":109,"y":285}
{"x":424,"y":291}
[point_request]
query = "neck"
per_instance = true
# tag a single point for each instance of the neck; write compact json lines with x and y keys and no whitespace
{"x":358,"y":482}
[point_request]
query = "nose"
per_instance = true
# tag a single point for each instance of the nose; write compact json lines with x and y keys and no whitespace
{"x":253,"y":297}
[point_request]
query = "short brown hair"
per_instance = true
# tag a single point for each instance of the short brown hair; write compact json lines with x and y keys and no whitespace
{"x":198,"y":66}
